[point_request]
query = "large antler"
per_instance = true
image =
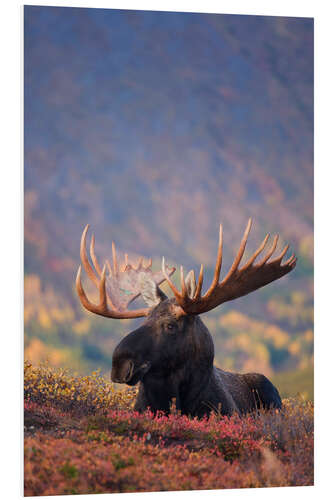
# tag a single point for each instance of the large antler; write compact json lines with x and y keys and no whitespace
{"x":120,"y":287}
{"x":238,"y":281}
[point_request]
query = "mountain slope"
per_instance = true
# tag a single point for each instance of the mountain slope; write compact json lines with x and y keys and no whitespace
{"x":155,"y":127}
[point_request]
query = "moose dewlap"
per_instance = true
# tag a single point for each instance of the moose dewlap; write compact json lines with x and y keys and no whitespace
{"x":171,"y":354}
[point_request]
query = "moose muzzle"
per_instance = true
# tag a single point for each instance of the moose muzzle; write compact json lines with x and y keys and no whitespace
{"x":122,"y":373}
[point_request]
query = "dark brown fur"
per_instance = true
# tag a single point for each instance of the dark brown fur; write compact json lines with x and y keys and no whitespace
{"x":171,"y":355}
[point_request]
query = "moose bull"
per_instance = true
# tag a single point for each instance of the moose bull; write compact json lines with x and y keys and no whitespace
{"x":171,"y":354}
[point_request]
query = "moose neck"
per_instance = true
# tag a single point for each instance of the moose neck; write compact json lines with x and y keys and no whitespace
{"x":185,"y":382}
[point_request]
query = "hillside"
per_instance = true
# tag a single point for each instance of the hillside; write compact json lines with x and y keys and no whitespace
{"x":154,"y":128}
{"x":82,"y":436}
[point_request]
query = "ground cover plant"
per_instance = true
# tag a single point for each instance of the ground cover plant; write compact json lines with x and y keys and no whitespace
{"x":82,"y":436}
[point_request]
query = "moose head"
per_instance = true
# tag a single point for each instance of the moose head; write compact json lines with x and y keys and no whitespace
{"x":171,"y":354}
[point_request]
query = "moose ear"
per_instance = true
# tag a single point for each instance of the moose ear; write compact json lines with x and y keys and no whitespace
{"x":190,"y":284}
{"x":151,"y":293}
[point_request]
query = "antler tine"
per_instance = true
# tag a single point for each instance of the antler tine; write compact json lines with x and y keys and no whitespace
{"x":182,"y":281}
{"x":290,"y":260}
{"x":84,"y":258}
{"x":107,"y":264}
{"x":217,"y":265}
{"x":292,"y":263}
{"x":256,"y":253}
{"x":240,"y":253}
{"x":102,"y":291}
{"x":219,"y":257}
{"x":171,"y":285}
{"x":102,"y":294}
{"x":281,"y":255}
{"x":93,"y":255}
{"x":82,"y":295}
{"x":269,"y":253}
{"x":199,"y":285}
{"x":114,"y":259}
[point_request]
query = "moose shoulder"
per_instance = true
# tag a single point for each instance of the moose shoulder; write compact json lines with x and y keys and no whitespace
{"x":171,"y":354}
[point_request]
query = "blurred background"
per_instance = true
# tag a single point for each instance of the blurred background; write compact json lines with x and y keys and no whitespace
{"x":154,"y":128}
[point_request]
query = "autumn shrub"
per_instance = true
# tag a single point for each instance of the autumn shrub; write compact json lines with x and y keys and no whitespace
{"x":83,"y":436}
{"x":80,"y":395}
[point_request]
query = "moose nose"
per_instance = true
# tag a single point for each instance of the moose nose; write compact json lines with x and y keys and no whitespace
{"x":123,"y":373}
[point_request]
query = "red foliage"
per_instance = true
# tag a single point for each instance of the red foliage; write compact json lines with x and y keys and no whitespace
{"x":127,"y":451}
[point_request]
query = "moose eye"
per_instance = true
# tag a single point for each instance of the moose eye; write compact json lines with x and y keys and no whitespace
{"x":171,"y":327}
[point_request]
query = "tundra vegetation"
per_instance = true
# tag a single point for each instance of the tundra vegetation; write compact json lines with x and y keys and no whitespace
{"x":83,"y":436}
